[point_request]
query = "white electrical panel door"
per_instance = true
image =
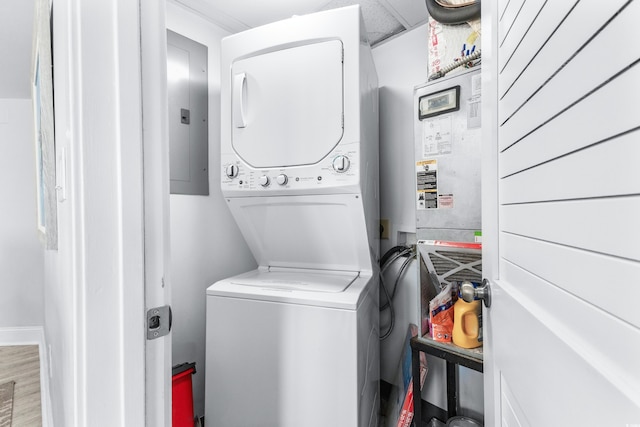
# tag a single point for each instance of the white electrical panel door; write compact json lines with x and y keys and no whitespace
{"x":287,"y":105}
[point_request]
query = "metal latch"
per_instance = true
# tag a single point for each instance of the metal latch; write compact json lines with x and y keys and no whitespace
{"x":158,"y":322}
{"x":185,"y":116}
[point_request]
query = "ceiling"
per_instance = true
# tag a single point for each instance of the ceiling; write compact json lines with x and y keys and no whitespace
{"x":383,"y":19}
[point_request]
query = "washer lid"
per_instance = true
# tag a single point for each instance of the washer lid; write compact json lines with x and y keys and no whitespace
{"x":296,"y":280}
{"x":320,"y":232}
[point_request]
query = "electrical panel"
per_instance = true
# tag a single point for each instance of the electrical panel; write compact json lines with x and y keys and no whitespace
{"x":187,"y":84}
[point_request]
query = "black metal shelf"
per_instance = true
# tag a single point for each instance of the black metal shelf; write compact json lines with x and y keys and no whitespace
{"x":453,"y":355}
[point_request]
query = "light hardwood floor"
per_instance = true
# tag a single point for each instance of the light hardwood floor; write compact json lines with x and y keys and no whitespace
{"x":21,"y":363}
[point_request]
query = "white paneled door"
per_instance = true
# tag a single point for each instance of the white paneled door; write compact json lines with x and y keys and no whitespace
{"x":561,"y":202}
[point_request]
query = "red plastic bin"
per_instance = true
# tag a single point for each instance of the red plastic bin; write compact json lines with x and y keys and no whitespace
{"x":182,"y":395}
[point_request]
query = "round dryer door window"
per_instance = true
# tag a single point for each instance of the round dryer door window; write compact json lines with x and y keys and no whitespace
{"x":287,"y":105}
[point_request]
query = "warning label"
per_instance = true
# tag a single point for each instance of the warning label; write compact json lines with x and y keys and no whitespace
{"x":427,"y":184}
{"x":445,"y":201}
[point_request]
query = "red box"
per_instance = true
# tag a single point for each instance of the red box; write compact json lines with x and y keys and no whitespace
{"x":182,"y":395}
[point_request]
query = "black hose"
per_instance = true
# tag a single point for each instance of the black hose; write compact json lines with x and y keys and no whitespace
{"x":397,"y":281}
{"x":390,"y":257}
{"x":399,"y":275}
{"x":392,"y":315}
{"x":453,"y":15}
{"x":390,"y":252}
{"x":386,"y":261}
{"x":389,"y":303}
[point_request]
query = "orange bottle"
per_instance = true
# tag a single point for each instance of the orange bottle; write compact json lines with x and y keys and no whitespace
{"x":466,"y":324}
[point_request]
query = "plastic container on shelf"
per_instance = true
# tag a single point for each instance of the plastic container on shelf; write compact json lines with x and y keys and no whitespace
{"x":466,"y":324}
{"x":182,"y":395}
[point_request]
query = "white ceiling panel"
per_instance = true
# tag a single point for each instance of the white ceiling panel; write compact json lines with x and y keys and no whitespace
{"x":380,"y":23}
{"x":255,"y":13}
{"x":240,"y":15}
{"x":410,"y":13}
{"x":212,"y":12}
{"x":383,"y":18}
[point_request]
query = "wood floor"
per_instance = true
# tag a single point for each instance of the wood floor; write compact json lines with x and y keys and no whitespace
{"x":21,"y":363}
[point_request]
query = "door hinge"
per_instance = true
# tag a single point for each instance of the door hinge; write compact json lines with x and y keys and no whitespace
{"x":159,"y":321}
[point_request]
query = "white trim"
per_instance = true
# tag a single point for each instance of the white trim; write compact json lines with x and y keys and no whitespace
{"x":24,"y":335}
{"x":29,"y":335}
{"x":158,"y":352}
{"x":490,"y":211}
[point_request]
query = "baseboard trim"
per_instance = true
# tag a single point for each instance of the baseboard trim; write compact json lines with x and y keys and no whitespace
{"x":23,"y":335}
{"x":33,"y":335}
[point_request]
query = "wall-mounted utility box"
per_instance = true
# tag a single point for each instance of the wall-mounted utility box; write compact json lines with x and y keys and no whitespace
{"x":447,"y":155}
{"x":187,"y":80}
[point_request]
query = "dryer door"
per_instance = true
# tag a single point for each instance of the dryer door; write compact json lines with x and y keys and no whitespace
{"x":287,"y":105}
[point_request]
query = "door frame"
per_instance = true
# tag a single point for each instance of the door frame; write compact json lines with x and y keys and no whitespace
{"x":490,"y":200}
{"x":158,"y":352}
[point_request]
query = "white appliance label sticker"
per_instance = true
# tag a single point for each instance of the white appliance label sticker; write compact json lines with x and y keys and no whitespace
{"x":436,"y":136}
{"x":476,"y":86}
{"x":474,"y":120}
{"x":427,"y":184}
{"x":445,"y":201}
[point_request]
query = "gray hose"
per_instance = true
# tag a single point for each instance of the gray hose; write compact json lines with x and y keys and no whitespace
{"x":459,"y":63}
{"x":453,"y":15}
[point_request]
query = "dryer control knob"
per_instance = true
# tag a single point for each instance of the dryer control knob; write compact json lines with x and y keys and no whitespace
{"x":341,"y":164}
{"x":232,"y":171}
{"x":282,"y":179}
{"x":264,"y":181}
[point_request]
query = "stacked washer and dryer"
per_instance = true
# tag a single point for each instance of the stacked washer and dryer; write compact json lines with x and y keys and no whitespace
{"x":296,"y":341}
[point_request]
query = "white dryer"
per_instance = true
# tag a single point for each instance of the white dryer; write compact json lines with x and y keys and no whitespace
{"x":295,"y":342}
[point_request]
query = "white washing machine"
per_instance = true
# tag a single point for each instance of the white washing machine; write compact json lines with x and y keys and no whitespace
{"x":296,"y":341}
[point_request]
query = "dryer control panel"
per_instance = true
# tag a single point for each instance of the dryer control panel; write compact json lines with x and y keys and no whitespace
{"x":340,"y":169}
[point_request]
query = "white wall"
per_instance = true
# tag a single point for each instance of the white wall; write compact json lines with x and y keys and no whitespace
{"x":206,"y":244}
{"x":21,"y":253}
{"x":58,"y":291}
{"x":402,"y":64}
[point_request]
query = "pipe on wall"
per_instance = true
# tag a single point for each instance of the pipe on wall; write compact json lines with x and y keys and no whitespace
{"x":453,"y":14}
